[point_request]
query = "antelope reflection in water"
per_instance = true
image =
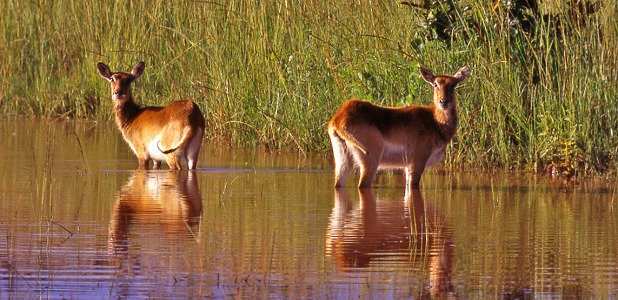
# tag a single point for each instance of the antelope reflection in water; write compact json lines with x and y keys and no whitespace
{"x":169,"y":200}
{"x":391,"y":233}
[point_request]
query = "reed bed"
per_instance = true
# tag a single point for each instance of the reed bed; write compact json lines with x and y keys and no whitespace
{"x":542,"y":93}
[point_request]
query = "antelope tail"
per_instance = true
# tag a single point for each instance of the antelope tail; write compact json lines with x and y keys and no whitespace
{"x":182,"y":141}
{"x":344,"y":135}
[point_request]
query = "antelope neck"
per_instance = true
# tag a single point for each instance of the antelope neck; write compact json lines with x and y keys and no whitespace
{"x":125,"y":112}
{"x":447,"y":121}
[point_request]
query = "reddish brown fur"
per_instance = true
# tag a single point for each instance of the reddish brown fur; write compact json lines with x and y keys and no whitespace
{"x":411,"y":137}
{"x":173,"y":133}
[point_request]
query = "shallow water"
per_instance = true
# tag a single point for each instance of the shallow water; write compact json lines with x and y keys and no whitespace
{"x":77,"y":220}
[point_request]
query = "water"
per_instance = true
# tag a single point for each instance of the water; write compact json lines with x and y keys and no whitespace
{"x":78,"y":221}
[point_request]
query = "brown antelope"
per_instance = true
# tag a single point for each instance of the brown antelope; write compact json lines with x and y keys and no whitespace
{"x":411,"y":137}
{"x":172,"y":134}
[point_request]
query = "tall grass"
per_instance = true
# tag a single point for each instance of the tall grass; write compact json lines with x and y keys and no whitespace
{"x":273,"y":72}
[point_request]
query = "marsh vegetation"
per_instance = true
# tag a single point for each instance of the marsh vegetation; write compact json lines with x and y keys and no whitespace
{"x":541,"y":96}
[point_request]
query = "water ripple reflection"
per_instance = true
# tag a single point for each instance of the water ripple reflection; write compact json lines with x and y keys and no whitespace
{"x":156,"y":202}
{"x":406,"y":235}
{"x":77,"y":222}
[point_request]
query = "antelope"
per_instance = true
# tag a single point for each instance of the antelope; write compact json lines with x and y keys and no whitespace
{"x":412,"y":137}
{"x":172,"y":134}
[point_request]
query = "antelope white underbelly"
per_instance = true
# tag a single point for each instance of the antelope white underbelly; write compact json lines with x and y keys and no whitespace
{"x":436,"y":155}
{"x":395,"y":156}
{"x":398,"y":156}
{"x":153,"y":150}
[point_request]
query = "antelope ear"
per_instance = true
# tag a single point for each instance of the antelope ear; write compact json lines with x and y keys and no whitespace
{"x":427,"y":75}
{"x":104,"y":71}
{"x":462,"y":74}
{"x":138,"y":70}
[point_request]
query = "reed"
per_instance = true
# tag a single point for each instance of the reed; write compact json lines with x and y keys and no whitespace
{"x":273,"y":72}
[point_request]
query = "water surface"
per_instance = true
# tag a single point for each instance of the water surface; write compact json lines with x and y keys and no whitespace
{"x":78,"y":220}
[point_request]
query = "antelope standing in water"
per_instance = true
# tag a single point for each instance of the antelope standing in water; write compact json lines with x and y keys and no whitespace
{"x":411,"y":137}
{"x":172,"y":134}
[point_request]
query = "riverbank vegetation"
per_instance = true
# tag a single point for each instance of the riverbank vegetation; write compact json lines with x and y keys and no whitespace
{"x":542,"y":94}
